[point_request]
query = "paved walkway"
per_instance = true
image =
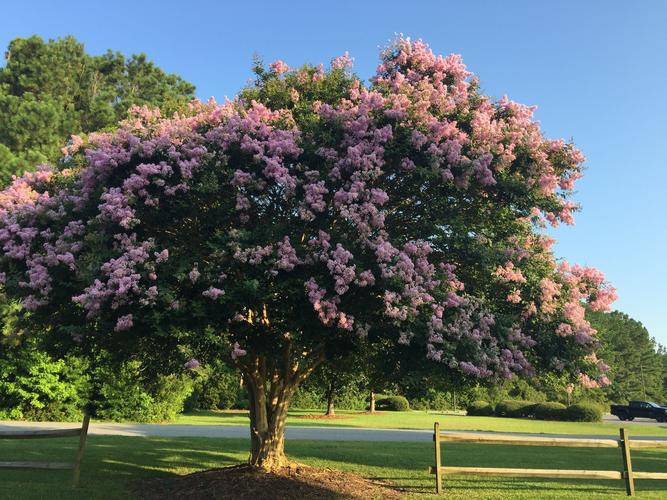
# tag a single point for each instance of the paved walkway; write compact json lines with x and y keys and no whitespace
{"x":238,"y":431}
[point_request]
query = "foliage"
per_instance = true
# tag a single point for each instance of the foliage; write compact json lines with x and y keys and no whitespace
{"x":514,"y":409}
{"x":34,"y":386}
{"x":312,"y":218}
{"x":313,"y":396}
{"x":637,"y":366}
{"x":122,"y":395}
{"x":583,"y":412}
{"x":392,"y":403}
{"x":549,"y":411}
{"x":432,"y":399}
{"x":339,"y":382}
{"x":480,"y":408}
{"x":216,"y":387}
{"x":51,"y":90}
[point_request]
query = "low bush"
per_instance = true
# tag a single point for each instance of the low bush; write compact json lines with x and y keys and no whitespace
{"x":480,"y":408}
{"x":35,"y":386}
{"x":242,"y":404}
{"x":549,"y":411}
{"x":514,"y":409}
{"x":584,"y":412}
{"x":312,"y":396}
{"x":216,"y":387}
{"x":433,"y":400}
{"x":392,"y":403}
{"x":123,"y":395}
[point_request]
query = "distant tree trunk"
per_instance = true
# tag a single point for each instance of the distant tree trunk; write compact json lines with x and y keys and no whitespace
{"x":372,"y":405}
{"x":330,"y":400}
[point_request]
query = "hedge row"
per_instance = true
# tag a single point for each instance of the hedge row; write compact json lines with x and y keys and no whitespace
{"x":581,"y":412}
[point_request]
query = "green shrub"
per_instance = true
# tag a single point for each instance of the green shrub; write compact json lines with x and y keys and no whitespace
{"x":584,"y":412}
{"x":392,"y":403}
{"x":124,"y":396}
{"x":549,"y":411}
{"x":480,"y":409}
{"x":242,"y":404}
{"x":34,"y":386}
{"x":431,"y":399}
{"x":310,"y":396}
{"x":514,"y":409}
{"x":216,"y":387}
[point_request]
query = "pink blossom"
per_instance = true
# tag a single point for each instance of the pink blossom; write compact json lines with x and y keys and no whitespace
{"x":213,"y":293}
{"x":586,"y":382}
{"x":514,"y":296}
{"x":287,"y":257}
{"x":279,"y":67}
{"x":162,"y":256}
{"x":510,"y":274}
{"x":237,"y":352}
{"x":194,"y":274}
{"x":124,"y":323}
{"x":342,"y":62}
{"x":192,"y":364}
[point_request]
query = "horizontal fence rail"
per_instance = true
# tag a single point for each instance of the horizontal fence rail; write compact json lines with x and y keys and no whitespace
{"x":464,"y":437}
{"x":81,"y":432}
{"x":624,"y":443}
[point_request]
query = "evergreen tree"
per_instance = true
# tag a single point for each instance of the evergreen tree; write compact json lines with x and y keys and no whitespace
{"x":51,"y":90}
{"x":637,"y":367}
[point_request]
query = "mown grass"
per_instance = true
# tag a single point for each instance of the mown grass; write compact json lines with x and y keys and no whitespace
{"x":424,"y":420}
{"x":111,"y":462}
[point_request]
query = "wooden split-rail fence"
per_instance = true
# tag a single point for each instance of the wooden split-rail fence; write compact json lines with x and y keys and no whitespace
{"x":623,"y":442}
{"x":81,"y":432}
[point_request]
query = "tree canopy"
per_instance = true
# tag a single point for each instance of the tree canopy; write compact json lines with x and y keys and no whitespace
{"x":310,"y":216}
{"x":51,"y":90}
{"x":636,"y":361}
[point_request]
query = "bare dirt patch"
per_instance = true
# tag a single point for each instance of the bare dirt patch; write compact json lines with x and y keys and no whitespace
{"x":296,"y":482}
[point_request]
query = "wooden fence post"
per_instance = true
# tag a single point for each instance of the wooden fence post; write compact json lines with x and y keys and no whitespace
{"x":79,"y":453}
{"x":627,"y":462}
{"x":438,"y":477}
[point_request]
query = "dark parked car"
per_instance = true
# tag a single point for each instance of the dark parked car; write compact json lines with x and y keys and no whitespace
{"x":641,"y":409}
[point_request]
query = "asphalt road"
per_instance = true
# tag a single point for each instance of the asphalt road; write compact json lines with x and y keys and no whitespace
{"x":643,"y":421}
{"x":238,"y":431}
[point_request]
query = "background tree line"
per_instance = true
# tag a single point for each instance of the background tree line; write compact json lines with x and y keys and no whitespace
{"x":51,"y":90}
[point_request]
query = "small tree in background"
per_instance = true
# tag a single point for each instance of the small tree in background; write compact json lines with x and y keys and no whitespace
{"x":311,"y":214}
{"x":334,"y":377}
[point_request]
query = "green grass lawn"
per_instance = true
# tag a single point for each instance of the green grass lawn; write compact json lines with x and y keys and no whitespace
{"x":111,"y":462}
{"x":424,"y":420}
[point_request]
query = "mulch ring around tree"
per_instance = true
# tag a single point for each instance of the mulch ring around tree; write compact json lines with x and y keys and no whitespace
{"x":323,"y":417}
{"x":296,"y":482}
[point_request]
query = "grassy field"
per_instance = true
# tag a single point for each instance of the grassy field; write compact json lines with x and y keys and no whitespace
{"x":423,"y":420}
{"x":111,"y":462}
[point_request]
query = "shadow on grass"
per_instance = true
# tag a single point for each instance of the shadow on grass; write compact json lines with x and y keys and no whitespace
{"x":111,"y":461}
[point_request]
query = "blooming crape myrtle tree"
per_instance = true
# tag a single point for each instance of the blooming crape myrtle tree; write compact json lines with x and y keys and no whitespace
{"x":312,"y":216}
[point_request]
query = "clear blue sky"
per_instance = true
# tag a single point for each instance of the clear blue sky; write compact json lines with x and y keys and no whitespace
{"x":597,"y":70}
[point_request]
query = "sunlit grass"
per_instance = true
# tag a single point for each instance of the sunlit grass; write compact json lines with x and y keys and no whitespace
{"x":112,"y":461}
{"x":424,"y":420}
